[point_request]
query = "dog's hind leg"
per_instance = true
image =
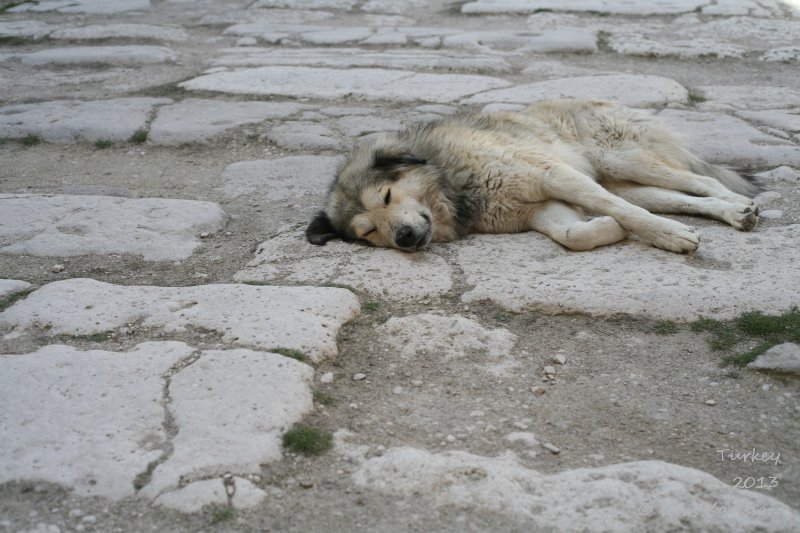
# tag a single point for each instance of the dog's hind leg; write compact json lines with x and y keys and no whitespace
{"x":740,"y":216}
{"x":565,"y":183}
{"x":569,"y":227}
{"x":646,"y":168}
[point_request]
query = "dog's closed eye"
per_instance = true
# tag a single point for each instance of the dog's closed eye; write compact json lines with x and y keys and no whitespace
{"x":388,"y":197}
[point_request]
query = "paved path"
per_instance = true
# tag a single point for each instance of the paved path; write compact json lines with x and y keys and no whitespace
{"x":163,"y":322}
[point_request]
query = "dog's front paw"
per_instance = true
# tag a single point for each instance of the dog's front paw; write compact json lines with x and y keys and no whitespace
{"x":743,"y":217}
{"x":675,"y":237}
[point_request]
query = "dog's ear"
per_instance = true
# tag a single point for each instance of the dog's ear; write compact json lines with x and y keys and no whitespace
{"x":320,"y":230}
{"x":393,"y":162}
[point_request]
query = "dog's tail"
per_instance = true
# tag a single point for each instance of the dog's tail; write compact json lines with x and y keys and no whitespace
{"x":730,"y":179}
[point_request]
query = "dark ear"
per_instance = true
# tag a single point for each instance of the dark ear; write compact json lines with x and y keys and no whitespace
{"x":320,"y":230}
{"x":396,"y":161}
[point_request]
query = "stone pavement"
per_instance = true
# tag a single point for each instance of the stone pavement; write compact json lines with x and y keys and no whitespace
{"x":163,"y":321}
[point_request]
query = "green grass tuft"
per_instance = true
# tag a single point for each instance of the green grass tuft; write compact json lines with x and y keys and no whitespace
{"x":769,"y":329}
{"x":696,"y":98}
{"x":103,"y":143}
{"x":31,"y":139}
{"x":288,"y":352}
{"x":11,"y":299}
{"x":370,"y":306}
{"x":307,"y":440}
{"x":102,"y":336}
{"x":665,"y":327}
{"x":323,"y":398}
{"x":12,"y":40}
{"x":222,"y":513}
{"x":139,"y":137}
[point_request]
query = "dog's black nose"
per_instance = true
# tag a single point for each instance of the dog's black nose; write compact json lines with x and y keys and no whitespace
{"x":405,"y":237}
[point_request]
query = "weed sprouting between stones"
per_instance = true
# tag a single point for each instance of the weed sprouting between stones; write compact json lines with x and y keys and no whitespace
{"x":307,"y":440}
{"x":665,"y":327}
{"x":222,"y":513}
{"x":103,"y":143}
{"x":138,"y":137}
{"x":12,"y":40}
{"x":31,"y":139}
{"x":696,"y":98}
{"x":11,"y":299}
{"x":370,"y":306}
{"x":769,"y":329}
{"x":289,"y":352}
{"x":323,"y":398}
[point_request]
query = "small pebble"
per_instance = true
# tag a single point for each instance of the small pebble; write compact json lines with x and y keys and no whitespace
{"x":359,"y":376}
{"x":559,"y":359}
{"x":554,"y":449}
{"x":416,"y":382}
{"x":306,"y":484}
{"x":57,"y":268}
{"x":711,"y":402}
{"x":450,"y":438}
{"x":327,"y":377}
{"x":549,"y":370}
{"x":204,"y":235}
{"x":538,"y":390}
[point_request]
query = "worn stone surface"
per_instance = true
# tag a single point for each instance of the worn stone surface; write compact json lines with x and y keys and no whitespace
{"x":198,"y":121}
{"x":121,"y":31}
{"x":299,"y":318}
{"x":9,"y":287}
{"x":98,"y":7}
{"x":643,"y":495}
{"x":194,"y":496}
{"x":214,"y":401}
{"x":69,"y":225}
{"x":712,"y":282}
{"x":393,"y":274}
{"x":357,"y":82}
{"x":107,"y":55}
{"x":782,"y":358}
{"x":632,"y":90}
{"x":280,"y":179}
{"x":743,"y":145}
{"x":91,"y":420}
{"x":63,"y":121}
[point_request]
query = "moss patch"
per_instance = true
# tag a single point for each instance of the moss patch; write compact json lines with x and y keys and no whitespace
{"x":307,"y":440}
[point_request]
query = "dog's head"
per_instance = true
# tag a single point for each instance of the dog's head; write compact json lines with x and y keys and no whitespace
{"x":379,"y":197}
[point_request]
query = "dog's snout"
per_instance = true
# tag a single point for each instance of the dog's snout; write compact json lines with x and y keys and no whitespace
{"x":406,"y":237}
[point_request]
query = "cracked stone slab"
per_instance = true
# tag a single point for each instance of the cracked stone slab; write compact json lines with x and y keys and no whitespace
{"x":782,"y":358}
{"x":621,"y":7}
{"x":95,"y":421}
{"x":576,"y":40}
{"x":296,"y":135}
{"x":367,"y":83}
{"x":65,"y":121}
{"x":12,"y":286}
{"x":787,"y":120}
{"x":70,"y":225}
{"x":121,"y":31}
{"x":197,"y":121}
{"x":93,"y":7}
{"x":393,"y":274}
{"x":747,"y":97}
{"x":25,"y":29}
{"x":89,"y":420}
{"x":725,"y":139}
{"x":299,"y":318}
{"x":106,"y":55}
{"x":194,"y":496}
{"x":231,"y":408}
{"x":635,"y":496}
{"x":628,"y":89}
{"x":280,"y":179}
{"x":784,"y":54}
{"x":731,"y":273}
{"x":359,"y":57}
{"x":690,"y":36}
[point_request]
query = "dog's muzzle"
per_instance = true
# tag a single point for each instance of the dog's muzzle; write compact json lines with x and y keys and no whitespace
{"x":412,"y":239}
